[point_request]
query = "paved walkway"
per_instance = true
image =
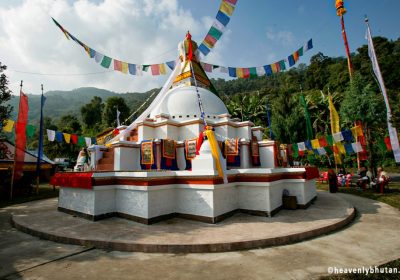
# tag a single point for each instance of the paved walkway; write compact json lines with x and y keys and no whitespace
{"x":239,"y":232}
{"x":372,"y":239}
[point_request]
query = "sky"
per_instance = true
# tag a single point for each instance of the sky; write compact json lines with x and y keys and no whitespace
{"x":148,"y":31}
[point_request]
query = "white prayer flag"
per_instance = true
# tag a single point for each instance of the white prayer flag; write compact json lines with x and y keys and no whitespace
{"x":357,"y":147}
{"x":338,"y":137}
{"x":51,"y":135}
{"x":301,"y":146}
{"x":88,"y":141}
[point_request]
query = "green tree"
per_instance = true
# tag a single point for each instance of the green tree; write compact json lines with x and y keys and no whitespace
{"x":5,"y":95}
{"x":110,"y":111}
{"x":92,"y":114}
{"x":362,"y":103}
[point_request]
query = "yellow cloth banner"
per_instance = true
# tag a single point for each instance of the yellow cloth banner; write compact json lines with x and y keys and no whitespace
{"x":124,"y":67}
{"x":162,"y":69}
{"x":335,"y":127}
{"x":226,"y":8}
{"x":341,"y":148}
{"x":67,"y":137}
{"x":357,"y":131}
{"x":214,"y":150}
{"x":315,"y":144}
{"x":8,"y":127}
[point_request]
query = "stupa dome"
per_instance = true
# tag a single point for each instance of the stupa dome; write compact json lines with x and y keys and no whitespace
{"x":181,"y":103}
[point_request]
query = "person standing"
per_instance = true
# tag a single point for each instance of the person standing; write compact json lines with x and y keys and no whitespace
{"x":332,"y":181}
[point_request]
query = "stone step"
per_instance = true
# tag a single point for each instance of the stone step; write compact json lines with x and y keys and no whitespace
{"x":105,"y":166}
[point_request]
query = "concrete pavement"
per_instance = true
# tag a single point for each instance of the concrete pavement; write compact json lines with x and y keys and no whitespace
{"x":372,"y":239}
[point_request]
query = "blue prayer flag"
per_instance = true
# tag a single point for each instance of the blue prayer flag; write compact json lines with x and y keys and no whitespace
{"x":268,"y":70}
{"x":291,"y":60}
{"x":349,"y":148}
{"x":171,"y":64}
{"x":232,"y":71}
{"x":347,"y":135}
{"x":203,"y":49}
{"x":308,"y":145}
{"x":222,"y":18}
{"x":59,"y":136}
{"x":132,"y":68}
{"x":92,"y":53}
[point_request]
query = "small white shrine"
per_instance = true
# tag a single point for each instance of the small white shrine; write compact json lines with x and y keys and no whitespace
{"x":163,"y":165}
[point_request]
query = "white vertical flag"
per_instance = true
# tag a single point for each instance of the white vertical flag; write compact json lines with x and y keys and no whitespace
{"x":394,"y":141}
{"x":118,"y":113}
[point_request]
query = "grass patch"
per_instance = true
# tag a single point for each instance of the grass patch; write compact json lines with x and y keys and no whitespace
{"x":45,"y":191}
{"x":392,"y":197}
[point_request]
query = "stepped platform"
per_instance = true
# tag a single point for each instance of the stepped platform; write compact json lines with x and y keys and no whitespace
{"x":328,"y":213}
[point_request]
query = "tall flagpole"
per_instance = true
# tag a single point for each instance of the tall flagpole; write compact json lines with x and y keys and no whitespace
{"x":40,"y":145}
{"x":340,"y":11}
{"x":15,"y":153}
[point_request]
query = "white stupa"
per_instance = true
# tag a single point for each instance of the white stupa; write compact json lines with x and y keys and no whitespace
{"x":181,"y":183}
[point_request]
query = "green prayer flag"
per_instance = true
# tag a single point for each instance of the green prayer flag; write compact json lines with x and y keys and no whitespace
{"x":106,"y":61}
{"x":253,"y":72}
{"x":282,"y":64}
{"x":307,"y":116}
{"x":382,"y":145}
{"x":295,"y":149}
{"x":301,"y":51}
{"x":30,"y":130}
{"x":81,"y":141}
{"x":329,"y":139}
{"x":145,"y":67}
{"x":215,"y":33}
{"x":328,"y":150}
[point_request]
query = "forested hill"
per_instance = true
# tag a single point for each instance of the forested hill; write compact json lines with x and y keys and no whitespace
{"x":60,"y":103}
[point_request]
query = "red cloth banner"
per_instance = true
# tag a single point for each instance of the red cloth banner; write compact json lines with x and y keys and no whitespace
{"x":20,"y":136}
{"x":81,"y":180}
{"x":311,"y":172}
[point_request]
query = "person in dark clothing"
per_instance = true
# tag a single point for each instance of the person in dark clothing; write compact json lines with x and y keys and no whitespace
{"x":332,"y":181}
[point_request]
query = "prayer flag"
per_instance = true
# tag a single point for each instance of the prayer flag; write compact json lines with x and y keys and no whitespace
{"x":92,"y":53}
{"x":268,"y":70}
{"x":291,"y":60}
{"x":308,"y":145}
{"x":30,"y":130}
{"x":295,"y":56}
{"x":357,"y":147}
{"x":88,"y":141}
{"x":301,"y":51}
{"x":9,"y":124}
{"x":74,"y":138}
{"x":301,"y":146}
{"x":394,"y":140}
{"x":232,"y":71}
{"x":323,"y":142}
{"x":315,"y":143}
{"x":347,"y":135}
{"x":329,"y":139}
{"x":59,"y":136}
{"x":338,"y":137}
{"x":215,"y":33}
{"x":388,"y":143}
{"x":239,"y":72}
{"x":349,"y":148}
{"x":81,"y":141}
{"x":145,"y":67}
{"x":223,"y":69}
{"x":162,"y":69}
{"x":357,"y":131}
{"x":132,"y":68}
{"x":341,"y":148}
{"x":335,"y":128}
{"x":233,"y":2}
{"x":20,"y":136}
{"x":275,"y":67}
{"x":321,"y":151}
{"x":207,"y":67}
{"x":226,"y":8}
{"x":106,"y":61}
{"x":260,"y":71}
{"x":51,"y":134}
{"x":117,"y":65}
{"x":282,"y":65}
{"x":222,"y":18}
{"x":204,"y":49}
{"x":171,"y":64}
{"x":124,"y":67}
{"x":155,"y":69}
{"x":253,"y":72}
{"x":308,"y":46}
{"x":67,"y":137}
{"x":98,"y":57}
{"x":210,"y":41}
{"x":295,"y":149}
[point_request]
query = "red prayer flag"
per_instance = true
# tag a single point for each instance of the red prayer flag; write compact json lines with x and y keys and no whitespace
{"x":155,"y":69}
{"x":246,"y":73}
{"x":20,"y":136}
{"x":322,"y":142}
{"x":117,"y":65}
{"x":190,"y":47}
{"x":388,"y":144}
{"x":74,"y":139}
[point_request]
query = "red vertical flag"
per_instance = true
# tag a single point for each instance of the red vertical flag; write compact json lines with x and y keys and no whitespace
{"x":20,"y":135}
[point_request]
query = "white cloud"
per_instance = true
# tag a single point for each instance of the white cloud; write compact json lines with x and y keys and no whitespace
{"x":283,"y":37}
{"x":140,"y":31}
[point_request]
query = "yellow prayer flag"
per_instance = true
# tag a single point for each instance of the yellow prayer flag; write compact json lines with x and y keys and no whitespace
{"x":162,"y":69}
{"x":341,"y":148}
{"x":315,"y":144}
{"x":8,"y":126}
{"x":124,"y":67}
{"x":239,"y":72}
{"x":335,"y":127}
{"x":214,"y":151}
{"x":226,"y":8}
{"x":338,"y":158}
{"x":357,"y":131}
{"x":67,"y":137}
